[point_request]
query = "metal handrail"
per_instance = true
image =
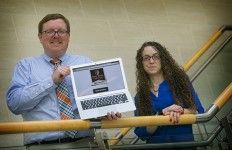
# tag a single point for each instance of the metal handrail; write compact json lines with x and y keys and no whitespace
{"x":206,"y":46}
{"x":205,"y":64}
{"x":78,"y":124}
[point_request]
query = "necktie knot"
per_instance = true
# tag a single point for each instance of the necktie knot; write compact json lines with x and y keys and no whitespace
{"x":55,"y":63}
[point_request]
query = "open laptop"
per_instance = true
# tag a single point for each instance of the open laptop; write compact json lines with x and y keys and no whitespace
{"x":101,"y":87}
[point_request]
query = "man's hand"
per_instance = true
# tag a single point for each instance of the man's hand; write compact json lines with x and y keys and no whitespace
{"x":113,"y":116}
{"x":60,"y":73}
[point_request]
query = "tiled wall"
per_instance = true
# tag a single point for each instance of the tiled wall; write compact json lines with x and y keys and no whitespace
{"x":104,"y":29}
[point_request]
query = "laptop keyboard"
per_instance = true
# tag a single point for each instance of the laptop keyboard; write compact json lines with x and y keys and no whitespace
{"x":104,"y":101}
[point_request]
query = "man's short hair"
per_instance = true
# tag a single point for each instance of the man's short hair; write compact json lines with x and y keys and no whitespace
{"x":49,"y":17}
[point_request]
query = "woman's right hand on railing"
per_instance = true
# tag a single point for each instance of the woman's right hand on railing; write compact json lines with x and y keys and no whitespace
{"x":174,"y":111}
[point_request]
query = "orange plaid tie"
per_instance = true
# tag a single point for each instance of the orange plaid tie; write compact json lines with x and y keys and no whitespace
{"x":65,"y":104}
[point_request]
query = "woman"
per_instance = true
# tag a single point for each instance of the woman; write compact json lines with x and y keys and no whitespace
{"x":163,"y":88}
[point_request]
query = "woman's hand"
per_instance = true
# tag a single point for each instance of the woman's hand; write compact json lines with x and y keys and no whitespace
{"x":174,"y":112}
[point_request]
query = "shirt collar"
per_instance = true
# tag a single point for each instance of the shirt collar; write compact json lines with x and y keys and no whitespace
{"x":48,"y":58}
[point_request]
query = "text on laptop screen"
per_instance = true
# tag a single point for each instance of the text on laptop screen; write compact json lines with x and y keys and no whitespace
{"x":98,"y":78}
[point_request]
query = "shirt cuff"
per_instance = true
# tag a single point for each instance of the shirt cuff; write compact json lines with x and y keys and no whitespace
{"x":48,"y":84}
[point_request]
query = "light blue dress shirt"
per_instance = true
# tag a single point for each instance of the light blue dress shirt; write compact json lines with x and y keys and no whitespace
{"x":32,"y":93}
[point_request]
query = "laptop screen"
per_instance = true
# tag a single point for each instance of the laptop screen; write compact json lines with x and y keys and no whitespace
{"x":98,"y":78}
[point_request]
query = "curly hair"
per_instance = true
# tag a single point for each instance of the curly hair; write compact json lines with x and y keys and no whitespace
{"x":176,"y":77}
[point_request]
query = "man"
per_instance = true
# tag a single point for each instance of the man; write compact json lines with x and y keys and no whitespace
{"x":33,"y":89}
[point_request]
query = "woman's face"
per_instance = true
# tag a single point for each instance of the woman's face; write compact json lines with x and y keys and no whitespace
{"x":151,"y":61}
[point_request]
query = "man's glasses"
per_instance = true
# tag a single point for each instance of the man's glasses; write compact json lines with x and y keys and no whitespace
{"x":148,"y":58}
{"x":51,"y":32}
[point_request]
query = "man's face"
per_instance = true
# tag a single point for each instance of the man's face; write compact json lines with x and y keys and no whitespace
{"x":54,"y":38}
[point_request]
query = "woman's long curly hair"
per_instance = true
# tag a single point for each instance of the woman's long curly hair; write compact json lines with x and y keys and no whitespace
{"x":176,"y":77}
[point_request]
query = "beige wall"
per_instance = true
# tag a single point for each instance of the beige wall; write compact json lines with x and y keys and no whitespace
{"x":104,"y":29}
